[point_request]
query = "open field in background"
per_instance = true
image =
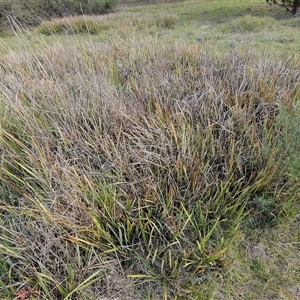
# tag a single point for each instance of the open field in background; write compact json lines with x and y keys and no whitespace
{"x":225,"y":25}
{"x":152,"y":153}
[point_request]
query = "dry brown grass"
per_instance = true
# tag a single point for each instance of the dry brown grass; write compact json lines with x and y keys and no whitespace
{"x":135,"y":160}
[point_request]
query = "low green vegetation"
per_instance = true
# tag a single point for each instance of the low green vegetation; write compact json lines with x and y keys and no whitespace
{"x":246,"y":24}
{"x":150,"y":155}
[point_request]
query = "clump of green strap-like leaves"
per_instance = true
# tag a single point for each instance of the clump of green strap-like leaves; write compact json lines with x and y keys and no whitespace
{"x":144,"y":156}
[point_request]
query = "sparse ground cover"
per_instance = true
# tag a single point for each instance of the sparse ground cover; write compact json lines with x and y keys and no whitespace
{"x":152,"y":153}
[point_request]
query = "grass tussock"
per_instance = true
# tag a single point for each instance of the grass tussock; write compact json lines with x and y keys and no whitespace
{"x":100,"y":24}
{"x":141,"y":159}
{"x":247,"y":23}
{"x":73,"y":25}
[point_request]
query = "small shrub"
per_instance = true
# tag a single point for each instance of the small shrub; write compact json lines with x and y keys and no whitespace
{"x":76,"y":7}
{"x":31,"y":12}
{"x":25,"y":12}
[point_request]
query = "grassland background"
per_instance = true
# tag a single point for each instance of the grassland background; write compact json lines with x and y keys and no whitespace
{"x":152,"y":153}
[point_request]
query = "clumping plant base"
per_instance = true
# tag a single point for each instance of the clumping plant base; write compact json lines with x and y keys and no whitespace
{"x":132,"y":167}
